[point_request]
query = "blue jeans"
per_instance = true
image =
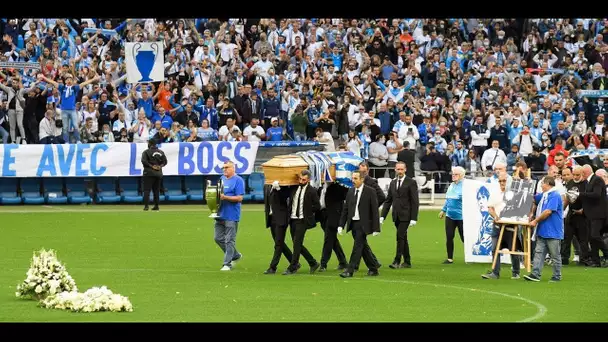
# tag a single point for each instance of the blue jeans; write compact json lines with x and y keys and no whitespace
{"x":543,"y":246}
{"x":70,"y":120}
{"x":4,"y":135}
{"x":515,"y":259}
{"x":225,"y":237}
{"x":299,"y":136}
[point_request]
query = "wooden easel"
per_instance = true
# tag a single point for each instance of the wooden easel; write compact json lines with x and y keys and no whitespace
{"x":527,"y":242}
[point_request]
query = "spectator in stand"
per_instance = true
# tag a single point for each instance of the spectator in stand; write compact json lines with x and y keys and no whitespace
{"x":513,"y":157}
{"x":226,"y":130}
{"x":493,"y":156}
{"x":354,"y":143}
{"x":378,"y":156}
{"x":275,"y":132}
{"x":299,"y":122}
{"x":406,"y":130}
{"x":393,"y":147}
{"x":254,"y":132}
{"x":141,"y":128}
{"x":49,"y":133}
{"x":326,"y":139}
{"x":479,"y":136}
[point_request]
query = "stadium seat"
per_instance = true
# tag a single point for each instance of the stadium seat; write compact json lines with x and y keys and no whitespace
{"x":129,"y":189}
{"x":106,"y":190}
{"x":248,"y":196}
{"x":9,"y":191}
{"x":195,"y":187}
{"x":77,"y":191}
{"x":175,"y":190}
{"x":53,"y":191}
{"x":30,"y":191}
{"x":256,"y":182}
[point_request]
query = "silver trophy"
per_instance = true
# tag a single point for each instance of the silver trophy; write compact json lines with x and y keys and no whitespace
{"x":572,"y":195}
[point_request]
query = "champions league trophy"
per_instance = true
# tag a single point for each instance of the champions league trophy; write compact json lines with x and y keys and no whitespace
{"x":144,"y":60}
{"x":212,"y":196}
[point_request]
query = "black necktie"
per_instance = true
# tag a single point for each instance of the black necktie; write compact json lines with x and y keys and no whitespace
{"x":399,"y":183}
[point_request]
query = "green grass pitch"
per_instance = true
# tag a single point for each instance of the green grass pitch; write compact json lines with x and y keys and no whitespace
{"x":168,"y":265}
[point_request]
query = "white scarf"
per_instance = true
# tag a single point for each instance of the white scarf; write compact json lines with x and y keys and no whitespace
{"x":68,"y":91}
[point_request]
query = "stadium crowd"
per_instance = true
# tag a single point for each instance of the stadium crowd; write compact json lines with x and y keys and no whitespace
{"x":458,"y":92}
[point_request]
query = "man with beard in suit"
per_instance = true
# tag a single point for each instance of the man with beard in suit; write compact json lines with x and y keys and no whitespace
{"x":304,"y":203}
{"x":575,"y":223}
{"x":276,"y":210}
{"x":360,"y":215}
{"x":381,"y":197}
{"x":332,"y":200}
{"x":594,"y":209}
{"x":403,"y":197}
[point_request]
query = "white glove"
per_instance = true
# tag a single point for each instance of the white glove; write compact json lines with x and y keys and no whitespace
{"x":340,"y":230}
{"x":381,"y":220}
{"x":275,"y":185}
{"x":412,"y":223}
{"x":375,"y":233}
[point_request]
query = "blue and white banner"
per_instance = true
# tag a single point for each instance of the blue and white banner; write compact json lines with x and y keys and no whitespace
{"x":123,"y":159}
{"x":145,"y":62}
{"x":594,"y":93}
{"x":19,"y":65}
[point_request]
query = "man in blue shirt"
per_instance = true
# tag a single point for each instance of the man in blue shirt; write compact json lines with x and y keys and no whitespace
{"x":452,"y":211}
{"x":275,"y":132}
{"x":549,"y":225}
{"x":69,"y":91}
{"x":229,"y":215}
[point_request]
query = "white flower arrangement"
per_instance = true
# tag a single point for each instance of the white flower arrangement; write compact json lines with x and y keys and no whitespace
{"x":46,"y":276}
{"x":94,"y":299}
{"x":49,"y":282}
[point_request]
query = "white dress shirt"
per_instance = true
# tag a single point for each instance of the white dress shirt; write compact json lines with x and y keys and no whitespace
{"x":356,"y":216}
{"x":294,"y":206}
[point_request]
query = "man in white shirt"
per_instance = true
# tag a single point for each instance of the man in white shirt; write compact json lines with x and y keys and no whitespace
{"x":378,"y":156}
{"x":499,"y":168}
{"x":225,"y":131}
{"x":262,"y":66}
{"x":326,"y":139}
{"x":493,"y":156}
{"x":254,"y":132}
{"x":406,"y":130}
{"x":121,"y":123}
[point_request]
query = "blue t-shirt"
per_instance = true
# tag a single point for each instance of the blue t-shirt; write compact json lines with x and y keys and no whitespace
{"x":453,"y":203}
{"x":233,"y":186}
{"x":68,"y":101}
{"x":146,"y":105}
{"x":553,"y":226}
{"x":275,"y":133}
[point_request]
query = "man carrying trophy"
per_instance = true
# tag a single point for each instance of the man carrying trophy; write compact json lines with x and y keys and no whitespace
{"x":228,"y":215}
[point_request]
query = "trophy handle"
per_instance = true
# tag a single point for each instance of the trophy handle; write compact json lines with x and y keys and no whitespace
{"x":156,"y":50}
{"x":136,"y":49}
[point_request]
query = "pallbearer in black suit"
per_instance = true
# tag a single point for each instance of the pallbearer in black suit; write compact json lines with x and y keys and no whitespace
{"x":332,"y":200}
{"x":304,"y":204}
{"x":594,"y":209}
{"x":372,"y":183}
{"x":360,"y":216}
{"x":276,"y":210}
{"x":403,"y":197}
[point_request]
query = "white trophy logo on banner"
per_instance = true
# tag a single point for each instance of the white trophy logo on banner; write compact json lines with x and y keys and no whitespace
{"x":145,"y":62}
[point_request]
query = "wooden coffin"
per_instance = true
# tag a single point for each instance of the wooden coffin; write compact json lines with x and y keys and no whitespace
{"x":286,"y":169}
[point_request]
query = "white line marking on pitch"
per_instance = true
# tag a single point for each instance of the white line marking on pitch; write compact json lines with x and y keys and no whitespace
{"x":541,"y":310}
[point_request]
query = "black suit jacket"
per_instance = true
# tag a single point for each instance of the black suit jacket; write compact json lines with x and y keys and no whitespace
{"x":334,"y":202}
{"x":311,"y":205}
{"x":594,"y":199}
{"x":373,"y":183}
{"x":404,"y":200}
{"x":408,"y":157}
{"x":368,"y":210}
{"x":279,"y":201}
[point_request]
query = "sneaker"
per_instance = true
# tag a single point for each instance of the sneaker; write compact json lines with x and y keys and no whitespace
{"x":490,"y":275}
{"x":554,"y":280}
{"x":226,"y":268}
{"x":576,"y":258}
{"x":515,"y":276}
{"x":235,"y":260}
{"x":531,"y":277}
